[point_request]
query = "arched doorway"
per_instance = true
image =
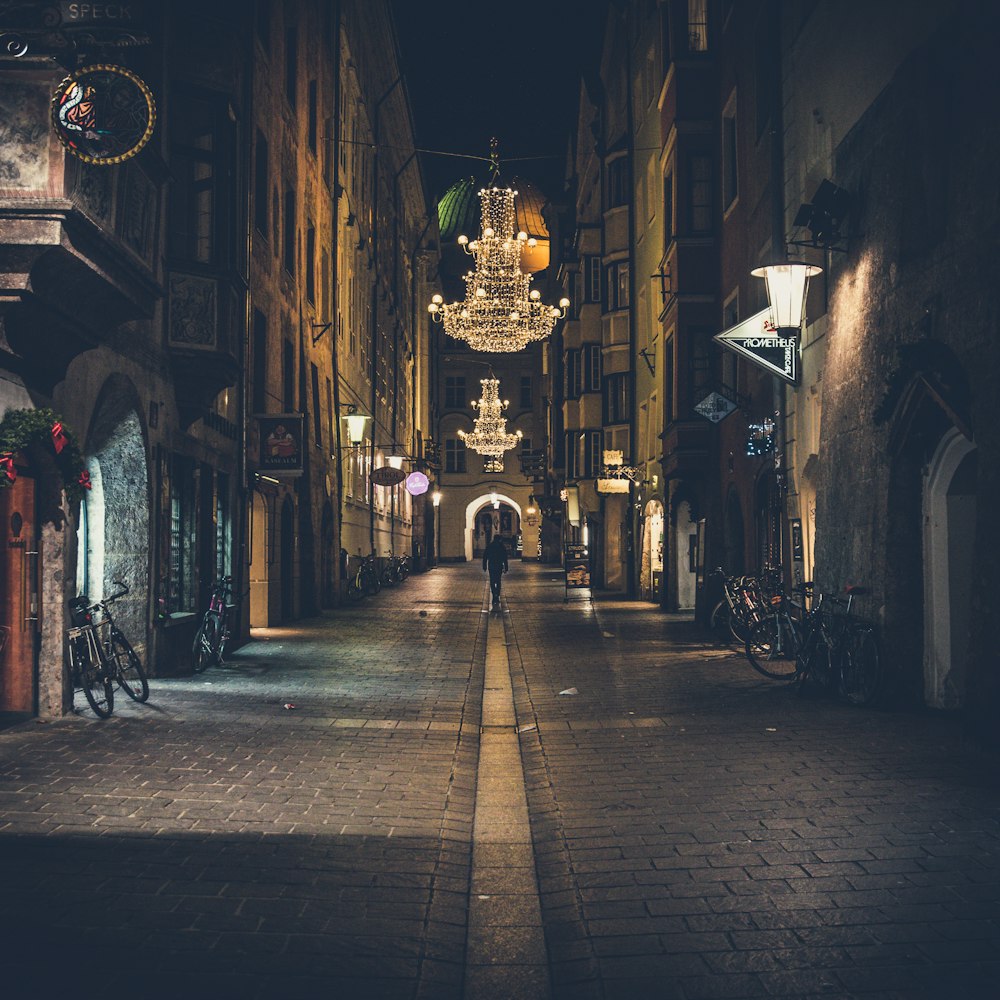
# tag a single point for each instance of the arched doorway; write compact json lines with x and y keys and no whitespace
{"x":113,"y":531}
{"x":949,"y":507}
{"x":651,"y":572}
{"x":476,"y":527}
{"x":260,"y":560}
{"x":287,"y":567}
{"x":685,"y":552}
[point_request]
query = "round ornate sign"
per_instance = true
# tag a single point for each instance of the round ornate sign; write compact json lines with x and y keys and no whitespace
{"x":416,"y":483}
{"x":103,"y":114}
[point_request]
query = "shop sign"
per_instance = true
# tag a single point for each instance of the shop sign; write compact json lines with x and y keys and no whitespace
{"x":715,"y":407}
{"x":615,"y":485}
{"x":386,"y":475}
{"x":577,"y":566}
{"x":103,"y":114}
{"x":280,"y":436}
{"x":755,"y":339}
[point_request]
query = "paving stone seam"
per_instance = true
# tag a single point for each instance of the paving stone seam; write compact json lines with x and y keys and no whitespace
{"x":548,"y":833}
{"x":455,"y":817}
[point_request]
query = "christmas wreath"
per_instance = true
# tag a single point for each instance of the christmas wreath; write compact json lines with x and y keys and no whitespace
{"x":42,"y":432}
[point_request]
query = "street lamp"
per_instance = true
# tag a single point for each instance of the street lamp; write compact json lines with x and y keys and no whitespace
{"x":356,"y":423}
{"x":787,"y":285}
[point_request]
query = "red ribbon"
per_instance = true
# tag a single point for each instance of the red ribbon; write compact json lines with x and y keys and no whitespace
{"x":84,"y":480}
{"x":7,"y":464}
{"x":59,"y":439}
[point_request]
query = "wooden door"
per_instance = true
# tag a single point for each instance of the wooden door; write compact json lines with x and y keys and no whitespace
{"x":19,"y":607}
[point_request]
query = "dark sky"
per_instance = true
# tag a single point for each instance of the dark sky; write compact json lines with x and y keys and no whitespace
{"x":476,"y":69}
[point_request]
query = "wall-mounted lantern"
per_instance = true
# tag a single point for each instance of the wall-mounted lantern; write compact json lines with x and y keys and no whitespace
{"x":787,"y":286}
{"x":356,"y":423}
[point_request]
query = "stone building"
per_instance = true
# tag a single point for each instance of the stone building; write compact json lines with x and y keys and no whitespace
{"x":198,"y":317}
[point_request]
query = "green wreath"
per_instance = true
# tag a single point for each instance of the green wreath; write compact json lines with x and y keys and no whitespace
{"x":42,"y":430}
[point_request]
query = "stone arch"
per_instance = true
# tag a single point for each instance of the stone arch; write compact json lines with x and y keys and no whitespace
{"x":474,"y":507}
{"x":949,"y":528}
{"x":113,"y":534}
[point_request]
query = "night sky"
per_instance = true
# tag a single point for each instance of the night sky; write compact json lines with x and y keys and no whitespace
{"x":510,"y":69}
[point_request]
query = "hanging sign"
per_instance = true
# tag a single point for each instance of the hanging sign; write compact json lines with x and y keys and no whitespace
{"x":103,"y":114}
{"x":613,"y":485}
{"x":776,"y":351}
{"x":715,"y":407}
{"x":417,"y":484}
{"x":386,"y":475}
{"x":280,"y":436}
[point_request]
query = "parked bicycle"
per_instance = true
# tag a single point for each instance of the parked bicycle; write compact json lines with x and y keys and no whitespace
{"x":825,"y":644}
{"x":213,"y":633}
{"x":745,"y":601}
{"x":365,"y":580}
{"x":101,"y":656}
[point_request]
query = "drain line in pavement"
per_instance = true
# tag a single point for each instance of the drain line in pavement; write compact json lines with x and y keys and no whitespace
{"x":505,"y":950}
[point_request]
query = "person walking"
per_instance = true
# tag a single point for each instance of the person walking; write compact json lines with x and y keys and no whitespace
{"x":495,"y":561}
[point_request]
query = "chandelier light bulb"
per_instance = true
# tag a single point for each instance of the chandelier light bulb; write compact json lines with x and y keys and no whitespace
{"x":500,"y":313}
{"x":564,"y":303}
{"x":532,"y":243}
{"x":463,"y":240}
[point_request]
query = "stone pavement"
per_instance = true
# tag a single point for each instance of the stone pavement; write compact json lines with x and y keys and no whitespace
{"x":695,"y":830}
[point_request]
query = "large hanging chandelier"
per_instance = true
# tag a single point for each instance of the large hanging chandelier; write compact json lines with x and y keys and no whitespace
{"x":501,"y":312}
{"x":490,"y":437}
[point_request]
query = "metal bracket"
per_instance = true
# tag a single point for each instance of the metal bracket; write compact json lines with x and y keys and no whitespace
{"x":322,"y":327}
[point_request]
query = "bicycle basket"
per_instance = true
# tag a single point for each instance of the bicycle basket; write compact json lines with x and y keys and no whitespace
{"x":79,"y":611}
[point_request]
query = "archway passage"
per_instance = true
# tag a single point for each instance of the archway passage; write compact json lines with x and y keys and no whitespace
{"x":260,"y":561}
{"x":509,"y":526}
{"x":651,"y":572}
{"x":685,"y":551}
{"x":113,"y":534}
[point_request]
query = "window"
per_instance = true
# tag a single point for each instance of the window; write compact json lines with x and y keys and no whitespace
{"x":312,"y":120}
{"x":183,"y":535}
{"x":454,"y":455}
{"x":593,"y":442}
{"x":592,"y":368}
{"x":288,"y":376}
{"x":260,"y":186}
{"x":454,"y":392}
{"x":668,"y":380}
{"x":572,"y":456}
{"x":527,"y":397}
{"x":616,"y":399}
{"x":701,"y":194}
{"x":317,"y":416}
{"x":697,"y":25}
{"x":618,"y":285}
{"x":289,"y":241}
{"x":259,"y":362}
{"x":592,"y":289}
{"x":618,"y":181}
{"x":668,"y":209}
{"x":291,"y":58}
{"x":572,"y":375}
{"x":311,"y":264}
{"x":329,"y":416}
{"x":198,"y":198}
{"x":730,"y":170}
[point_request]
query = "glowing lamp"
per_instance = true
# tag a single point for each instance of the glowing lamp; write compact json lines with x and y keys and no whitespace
{"x":787,"y":285}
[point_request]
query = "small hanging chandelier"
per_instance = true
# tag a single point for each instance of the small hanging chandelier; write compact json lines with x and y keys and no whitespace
{"x":490,"y":437}
{"x":501,"y":313}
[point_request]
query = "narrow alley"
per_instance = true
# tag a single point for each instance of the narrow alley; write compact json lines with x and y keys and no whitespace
{"x":565,"y":799}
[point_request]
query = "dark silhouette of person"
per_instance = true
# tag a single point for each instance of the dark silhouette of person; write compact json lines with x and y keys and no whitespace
{"x":495,"y":561}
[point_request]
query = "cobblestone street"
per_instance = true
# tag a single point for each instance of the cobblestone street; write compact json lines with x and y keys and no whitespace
{"x":300,"y":821}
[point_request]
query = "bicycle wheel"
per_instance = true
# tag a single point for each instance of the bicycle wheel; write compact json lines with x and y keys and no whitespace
{"x":819,"y":662}
{"x":372,"y":583}
{"x":720,"y":622}
{"x":356,"y":587}
{"x":771,"y":648}
{"x":862,"y":676}
{"x":130,"y":674}
{"x":98,"y":689}
{"x":203,"y":650}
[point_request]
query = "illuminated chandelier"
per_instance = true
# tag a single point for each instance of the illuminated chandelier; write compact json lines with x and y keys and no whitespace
{"x":490,"y":437}
{"x":501,"y":312}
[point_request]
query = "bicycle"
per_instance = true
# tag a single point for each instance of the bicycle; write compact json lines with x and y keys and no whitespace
{"x":774,"y":641}
{"x":101,"y":656}
{"x":853,"y":659}
{"x":213,"y":633}
{"x":745,"y":602}
{"x":365,"y":580}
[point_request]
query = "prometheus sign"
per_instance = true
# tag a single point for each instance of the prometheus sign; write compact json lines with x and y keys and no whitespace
{"x":776,"y":351}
